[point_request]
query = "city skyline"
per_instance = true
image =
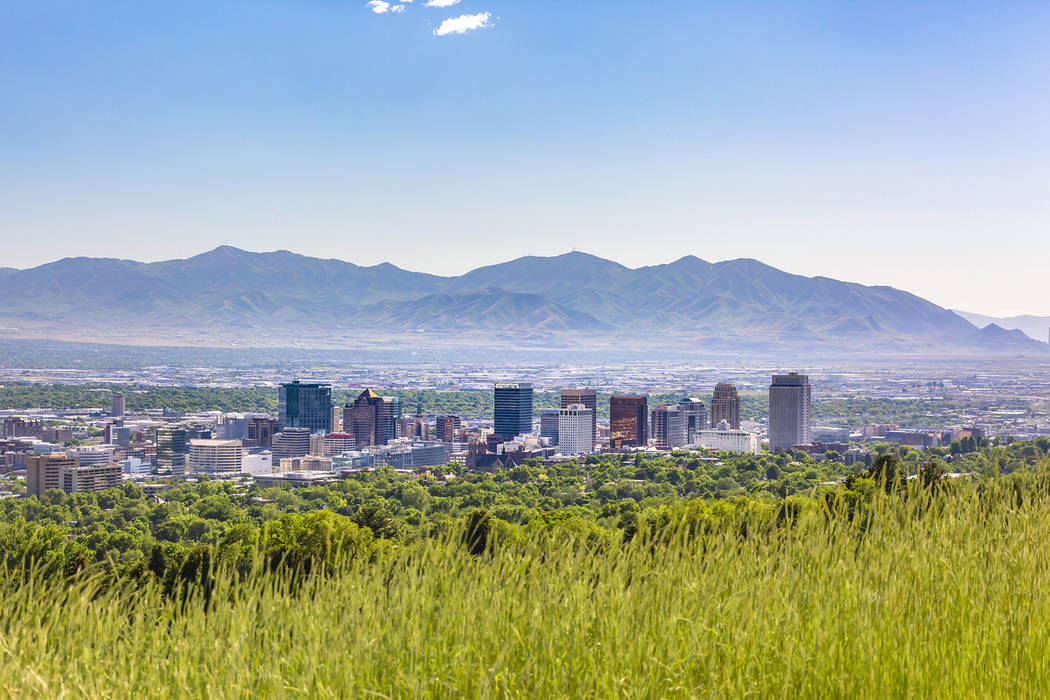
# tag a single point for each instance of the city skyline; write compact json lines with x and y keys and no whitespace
{"x":900,"y":144}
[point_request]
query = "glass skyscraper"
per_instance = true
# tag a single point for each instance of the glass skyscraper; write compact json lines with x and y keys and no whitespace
{"x":306,"y":406}
{"x":512,"y":409}
{"x":628,"y":421}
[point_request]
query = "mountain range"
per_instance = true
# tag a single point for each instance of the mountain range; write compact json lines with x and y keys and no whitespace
{"x":737,"y":303}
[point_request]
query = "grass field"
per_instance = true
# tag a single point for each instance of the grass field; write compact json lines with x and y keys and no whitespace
{"x":924,"y":598}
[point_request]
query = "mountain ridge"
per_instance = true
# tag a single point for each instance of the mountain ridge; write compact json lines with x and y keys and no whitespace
{"x":742,"y":300}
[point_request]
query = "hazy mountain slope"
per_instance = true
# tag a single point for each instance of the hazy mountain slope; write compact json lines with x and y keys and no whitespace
{"x":493,"y":309}
{"x":994,"y":337}
{"x":737,"y":301}
{"x":1035,"y":327}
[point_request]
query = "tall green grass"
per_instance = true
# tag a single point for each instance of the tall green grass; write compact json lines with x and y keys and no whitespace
{"x":922,"y":597}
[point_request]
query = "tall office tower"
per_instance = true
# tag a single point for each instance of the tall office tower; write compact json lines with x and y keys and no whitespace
{"x":628,"y":421}
{"x":725,"y":406}
{"x":587,"y":397}
{"x":305,"y":406}
{"x":172,"y":446}
{"x":216,"y":456}
{"x":446,"y":427}
{"x":512,"y":409}
{"x":290,"y":443}
{"x":116,"y":405}
{"x":575,"y":430}
{"x":668,"y":427}
{"x":372,"y":419}
{"x":694,"y":417}
{"x":337,"y":419}
{"x":43,"y":472}
{"x":789,"y":411}
{"x":549,"y":418}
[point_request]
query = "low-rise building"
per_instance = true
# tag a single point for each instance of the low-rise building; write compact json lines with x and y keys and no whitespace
{"x":88,"y":478}
{"x":726,"y":438}
{"x":216,"y":456}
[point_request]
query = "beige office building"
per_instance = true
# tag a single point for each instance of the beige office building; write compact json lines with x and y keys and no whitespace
{"x":216,"y":456}
{"x":90,"y":478}
{"x":43,"y":472}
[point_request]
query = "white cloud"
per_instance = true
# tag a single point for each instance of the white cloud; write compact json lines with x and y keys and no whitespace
{"x":397,"y":8}
{"x":441,"y":3}
{"x":379,"y":6}
{"x":463,"y":23}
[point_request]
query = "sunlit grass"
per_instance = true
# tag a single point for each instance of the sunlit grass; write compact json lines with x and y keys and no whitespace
{"x":928,"y":602}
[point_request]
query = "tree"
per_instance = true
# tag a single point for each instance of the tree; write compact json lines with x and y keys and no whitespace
{"x":886,"y":471}
{"x":476,"y":534}
{"x":931,"y":473}
{"x":378,"y":519}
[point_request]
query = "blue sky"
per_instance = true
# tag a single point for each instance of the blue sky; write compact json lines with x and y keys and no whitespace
{"x":879,"y":142}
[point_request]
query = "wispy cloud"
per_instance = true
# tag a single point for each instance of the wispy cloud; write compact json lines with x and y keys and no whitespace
{"x":463,"y":24}
{"x":397,"y":8}
{"x":441,"y":3}
{"x":379,"y":6}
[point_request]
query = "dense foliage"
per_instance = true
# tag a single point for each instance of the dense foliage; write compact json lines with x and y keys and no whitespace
{"x":120,"y":531}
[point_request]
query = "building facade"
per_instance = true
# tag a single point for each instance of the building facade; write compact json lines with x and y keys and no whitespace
{"x":43,"y":472}
{"x":372,"y":419}
{"x":172,"y":447}
{"x":549,"y":424}
{"x":291,"y":443}
{"x":575,"y":430}
{"x":789,"y":411}
{"x":668,"y":427}
{"x":116,"y":405}
{"x":260,"y":431}
{"x":587,"y":398}
{"x":512,"y":409}
{"x":446,"y":426}
{"x":216,"y":456}
{"x":305,"y":406}
{"x":725,"y":406}
{"x":694,"y":415}
{"x":628,"y":421}
{"x":726,"y":438}
{"x":88,"y":478}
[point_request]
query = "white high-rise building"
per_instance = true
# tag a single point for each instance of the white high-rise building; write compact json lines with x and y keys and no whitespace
{"x":575,"y":430}
{"x":216,"y":456}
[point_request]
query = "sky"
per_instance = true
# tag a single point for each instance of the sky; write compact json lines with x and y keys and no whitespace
{"x":901,"y":143}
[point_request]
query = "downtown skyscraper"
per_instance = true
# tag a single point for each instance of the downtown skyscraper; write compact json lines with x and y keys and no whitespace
{"x":628,"y":421}
{"x":725,"y":405}
{"x":512,"y":409}
{"x":789,"y":411}
{"x":305,"y":406}
{"x":586,"y":397}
